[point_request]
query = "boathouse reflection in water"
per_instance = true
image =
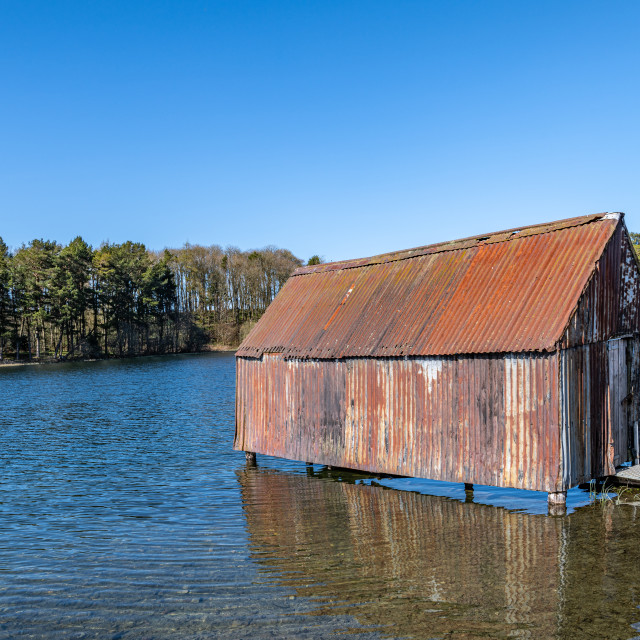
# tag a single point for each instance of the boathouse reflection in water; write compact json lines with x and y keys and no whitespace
{"x":411,"y":564}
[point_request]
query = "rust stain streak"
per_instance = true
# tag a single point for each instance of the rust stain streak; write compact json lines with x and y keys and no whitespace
{"x":335,"y":313}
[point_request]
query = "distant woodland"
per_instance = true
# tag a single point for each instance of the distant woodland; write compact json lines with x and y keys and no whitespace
{"x":74,"y":301}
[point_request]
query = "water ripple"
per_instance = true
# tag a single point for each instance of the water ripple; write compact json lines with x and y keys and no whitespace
{"x":125,"y":513}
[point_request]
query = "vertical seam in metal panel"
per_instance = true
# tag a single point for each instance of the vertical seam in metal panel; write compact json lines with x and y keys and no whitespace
{"x":565,"y":456}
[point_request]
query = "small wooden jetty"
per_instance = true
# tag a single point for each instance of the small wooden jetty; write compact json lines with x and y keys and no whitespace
{"x":629,"y":475}
{"x":509,"y":359}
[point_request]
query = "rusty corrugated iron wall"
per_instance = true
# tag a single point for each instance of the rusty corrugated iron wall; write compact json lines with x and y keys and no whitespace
{"x":598,"y":407}
{"x":584,"y":413}
{"x":599,"y":367}
{"x":484,"y":419}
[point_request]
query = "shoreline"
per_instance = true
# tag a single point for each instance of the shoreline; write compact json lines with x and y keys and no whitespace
{"x":29,"y":363}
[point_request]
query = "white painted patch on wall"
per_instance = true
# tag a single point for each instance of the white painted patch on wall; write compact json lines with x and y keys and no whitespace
{"x":431,"y":370}
{"x":510,"y":374}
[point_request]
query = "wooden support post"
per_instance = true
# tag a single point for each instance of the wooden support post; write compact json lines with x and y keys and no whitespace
{"x":468,"y":486}
{"x":250,"y":457}
{"x":468,"y":492}
{"x":557,"y":503}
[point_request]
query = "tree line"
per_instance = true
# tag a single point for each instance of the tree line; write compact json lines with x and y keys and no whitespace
{"x":122,"y":299}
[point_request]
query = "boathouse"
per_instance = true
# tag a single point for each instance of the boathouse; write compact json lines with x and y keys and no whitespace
{"x":509,"y":359}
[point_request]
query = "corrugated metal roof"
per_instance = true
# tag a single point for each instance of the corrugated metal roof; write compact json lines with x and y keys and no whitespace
{"x":503,"y":292}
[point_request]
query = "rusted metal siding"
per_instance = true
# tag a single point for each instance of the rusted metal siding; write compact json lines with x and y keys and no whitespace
{"x":484,"y":419}
{"x":619,"y":427}
{"x":610,"y":304}
{"x":508,"y":292}
{"x":598,"y":407}
{"x":599,"y":368}
{"x":584,"y":417}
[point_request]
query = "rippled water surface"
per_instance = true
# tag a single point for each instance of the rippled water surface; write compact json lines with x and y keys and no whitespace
{"x":125,"y":513}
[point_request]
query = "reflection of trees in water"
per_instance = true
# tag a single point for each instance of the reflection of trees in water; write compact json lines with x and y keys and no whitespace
{"x":422,"y":565}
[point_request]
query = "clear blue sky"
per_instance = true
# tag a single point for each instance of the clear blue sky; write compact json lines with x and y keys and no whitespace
{"x":344,"y":128}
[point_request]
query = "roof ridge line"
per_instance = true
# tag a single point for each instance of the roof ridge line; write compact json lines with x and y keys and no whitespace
{"x":515,"y":233}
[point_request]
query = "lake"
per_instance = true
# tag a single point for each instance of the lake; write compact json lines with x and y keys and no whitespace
{"x":125,"y":513}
